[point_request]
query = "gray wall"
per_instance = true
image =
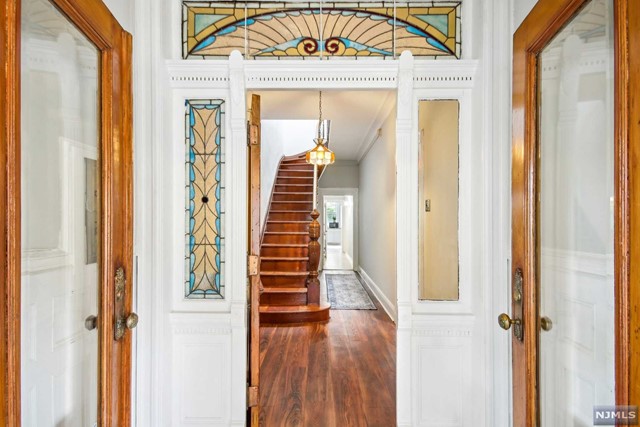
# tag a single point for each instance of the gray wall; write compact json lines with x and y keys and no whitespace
{"x":341,"y":174}
{"x":377,"y":207}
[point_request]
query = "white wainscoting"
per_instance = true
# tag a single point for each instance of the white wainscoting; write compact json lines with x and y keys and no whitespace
{"x":442,"y":374}
{"x":201,"y":379}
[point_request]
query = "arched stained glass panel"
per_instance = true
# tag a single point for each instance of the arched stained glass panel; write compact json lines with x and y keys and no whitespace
{"x":261,"y":30}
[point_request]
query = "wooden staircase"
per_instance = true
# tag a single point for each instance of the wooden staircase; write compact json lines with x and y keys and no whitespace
{"x":284,"y":252}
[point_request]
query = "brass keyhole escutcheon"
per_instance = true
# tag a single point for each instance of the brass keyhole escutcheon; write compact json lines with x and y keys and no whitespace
{"x":122,"y":320}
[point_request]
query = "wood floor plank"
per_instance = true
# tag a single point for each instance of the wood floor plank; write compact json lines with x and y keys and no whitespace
{"x":338,"y":373}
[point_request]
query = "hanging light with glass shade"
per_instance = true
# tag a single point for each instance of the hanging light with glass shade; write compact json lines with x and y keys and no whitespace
{"x":320,"y":154}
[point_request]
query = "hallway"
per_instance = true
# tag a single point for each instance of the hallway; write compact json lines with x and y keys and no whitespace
{"x":338,"y":373}
{"x":336,"y":259}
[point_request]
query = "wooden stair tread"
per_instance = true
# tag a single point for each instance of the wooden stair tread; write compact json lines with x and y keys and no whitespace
{"x":287,"y":232}
{"x":285,"y":245}
{"x":293,"y":308}
{"x":286,"y":296}
{"x":292,"y":201}
{"x":293,"y":192}
{"x":284,"y":273}
{"x":283,"y":290}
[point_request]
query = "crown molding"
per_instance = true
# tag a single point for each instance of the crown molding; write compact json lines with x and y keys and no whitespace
{"x":335,"y":74}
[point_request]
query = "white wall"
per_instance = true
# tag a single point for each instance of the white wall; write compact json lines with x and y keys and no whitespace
{"x":347,"y":227}
{"x":271,"y":151}
{"x":521,"y":9}
{"x":123,"y":11}
{"x":377,"y":217}
{"x":341,"y":174}
{"x":280,"y":138}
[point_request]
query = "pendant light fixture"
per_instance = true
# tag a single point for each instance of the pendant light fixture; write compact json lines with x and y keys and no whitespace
{"x":320,"y":154}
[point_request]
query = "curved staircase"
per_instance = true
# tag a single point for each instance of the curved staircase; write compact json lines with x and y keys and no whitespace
{"x":288,"y":297}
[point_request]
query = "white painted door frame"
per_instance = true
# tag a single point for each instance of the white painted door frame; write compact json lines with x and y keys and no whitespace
{"x":437,"y":344}
{"x":327,"y":192}
{"x":442,"y":340}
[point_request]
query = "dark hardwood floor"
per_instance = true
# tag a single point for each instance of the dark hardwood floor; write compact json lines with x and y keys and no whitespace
{"x":334,"y":374}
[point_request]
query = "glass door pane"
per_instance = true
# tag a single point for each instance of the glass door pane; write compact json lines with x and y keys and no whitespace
{"x":576,"y":219}
{"x":60,"y":220}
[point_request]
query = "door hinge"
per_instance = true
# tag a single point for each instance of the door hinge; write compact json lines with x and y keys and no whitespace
{"x":252,"y":265}
{"x":253,"y":135}
{"x":253,"y":396}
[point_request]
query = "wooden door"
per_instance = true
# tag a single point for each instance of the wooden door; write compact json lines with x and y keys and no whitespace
{"x":67,"y":229}
{"x":255,"y":286}
{"x":575,"y":211}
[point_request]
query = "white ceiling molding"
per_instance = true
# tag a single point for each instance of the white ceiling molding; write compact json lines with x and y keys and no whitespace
{"x":444,"y":74}
{"x":198,"y":74}
{"x":334,"y":74}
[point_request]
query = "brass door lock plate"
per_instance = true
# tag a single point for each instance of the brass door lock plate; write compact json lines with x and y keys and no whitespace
{"x":122,"y":321}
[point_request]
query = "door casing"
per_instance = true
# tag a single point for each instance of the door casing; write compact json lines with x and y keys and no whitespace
{"x":97,"y":23}
{"x":546,"y":19}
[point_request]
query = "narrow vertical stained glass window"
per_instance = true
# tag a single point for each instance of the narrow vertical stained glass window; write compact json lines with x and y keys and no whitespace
{"x":204,"y":198}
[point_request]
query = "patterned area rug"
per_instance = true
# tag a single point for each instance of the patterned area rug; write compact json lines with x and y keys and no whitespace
{"x":345,"y":292}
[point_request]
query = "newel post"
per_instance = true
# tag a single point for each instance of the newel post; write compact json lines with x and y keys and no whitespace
{"x":313,"y":284}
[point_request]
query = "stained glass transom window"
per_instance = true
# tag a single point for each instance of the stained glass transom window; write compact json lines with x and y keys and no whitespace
{"x":204,"y":196}
{"x":277,"y":30}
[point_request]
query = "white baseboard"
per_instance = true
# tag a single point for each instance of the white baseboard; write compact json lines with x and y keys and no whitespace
{"x":350,"y":260}
{"x":388,"y":306}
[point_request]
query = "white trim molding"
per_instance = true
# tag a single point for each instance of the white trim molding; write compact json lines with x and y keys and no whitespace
{"x":386,"y":303}
{"x":325,"y":192}
{"x":467,"y":280}
{"x":193,"y":320}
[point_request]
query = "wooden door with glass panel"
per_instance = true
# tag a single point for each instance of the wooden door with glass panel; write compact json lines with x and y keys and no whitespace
{"x":68,"y":188}
{"x":570,"y":275}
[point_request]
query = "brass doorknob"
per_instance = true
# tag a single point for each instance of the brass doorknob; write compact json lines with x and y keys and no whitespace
{"x":132,"y":321}
{"x":505,"y":321}
{"x":545,"y":323}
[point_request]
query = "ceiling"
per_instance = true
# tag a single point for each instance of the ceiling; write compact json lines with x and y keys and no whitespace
{"x":355,"y":115}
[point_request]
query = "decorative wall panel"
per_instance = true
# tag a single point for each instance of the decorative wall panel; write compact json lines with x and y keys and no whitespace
{"x":204,"y":194}
{"x":277,"y":30}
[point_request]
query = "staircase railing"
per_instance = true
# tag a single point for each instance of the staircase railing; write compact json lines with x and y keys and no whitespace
{"x":313,"y":282}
